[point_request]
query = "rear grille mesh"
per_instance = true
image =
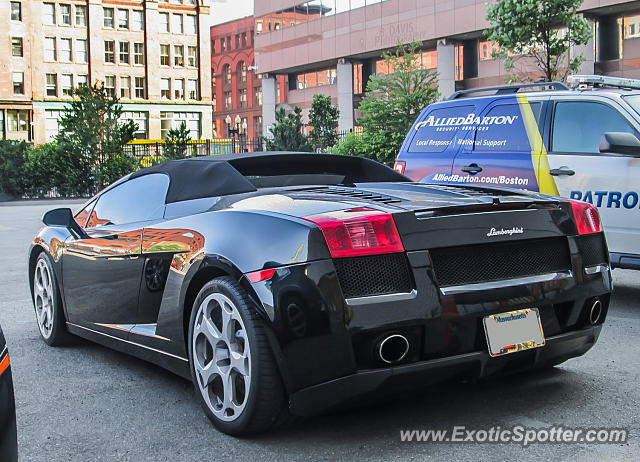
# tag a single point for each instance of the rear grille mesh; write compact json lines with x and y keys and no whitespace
{"x":503,"y":260}
{"x":593,"y":249}
{"x":373,"y":275}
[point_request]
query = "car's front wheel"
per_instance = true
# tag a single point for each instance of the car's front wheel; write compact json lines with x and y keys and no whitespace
{"x":48,"y":303}
{"x":232,"y":367}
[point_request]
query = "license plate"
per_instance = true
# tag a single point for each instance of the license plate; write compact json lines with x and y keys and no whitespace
{"x":513,"y":331}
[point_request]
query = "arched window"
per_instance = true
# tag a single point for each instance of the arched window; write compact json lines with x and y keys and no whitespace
{"x":242,"y":71}
{"x":226,"y":71}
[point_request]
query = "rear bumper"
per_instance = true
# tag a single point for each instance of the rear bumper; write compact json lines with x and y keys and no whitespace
{"x":366,"y":384}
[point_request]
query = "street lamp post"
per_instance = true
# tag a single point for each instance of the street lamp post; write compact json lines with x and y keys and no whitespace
{"x":239,"y":130}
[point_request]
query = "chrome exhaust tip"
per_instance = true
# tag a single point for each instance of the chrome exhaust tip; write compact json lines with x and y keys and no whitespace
{"x":595,"y":311}
{"x":393,"y":349}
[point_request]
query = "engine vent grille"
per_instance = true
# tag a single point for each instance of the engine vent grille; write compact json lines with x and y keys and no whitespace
{"x":593,"y":249}
{"x":373,"y":275}
{"x":356,"y":194}
{"x":503,"y":260}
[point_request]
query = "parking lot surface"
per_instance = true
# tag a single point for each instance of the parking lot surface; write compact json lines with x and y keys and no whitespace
{"x":88,"y":403}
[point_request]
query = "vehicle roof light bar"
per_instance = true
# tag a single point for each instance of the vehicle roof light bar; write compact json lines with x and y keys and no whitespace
{"x":585,"y":81}
{"x":509,"y":89}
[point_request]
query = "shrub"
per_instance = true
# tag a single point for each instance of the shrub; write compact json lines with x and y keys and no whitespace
{"x":12,"y":159}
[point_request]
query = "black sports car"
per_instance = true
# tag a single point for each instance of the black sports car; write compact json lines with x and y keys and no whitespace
{"x":8,"y":434}
{"x":295,"y":283}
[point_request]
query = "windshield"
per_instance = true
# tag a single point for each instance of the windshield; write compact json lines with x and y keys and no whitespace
{"x":634,"y":102}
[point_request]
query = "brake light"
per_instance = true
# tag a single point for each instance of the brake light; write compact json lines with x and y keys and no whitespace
{"x":399,"y":166}
{"x":261,"y":275}
{"x":586,"y":217}
{"x":358,"y":232}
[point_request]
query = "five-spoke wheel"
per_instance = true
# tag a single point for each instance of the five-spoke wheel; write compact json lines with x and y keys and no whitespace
{"x":47,"y":303}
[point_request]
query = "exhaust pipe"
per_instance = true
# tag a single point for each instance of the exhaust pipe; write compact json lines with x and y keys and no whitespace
{"x":393,"y":349}
{"x":595,"y":311}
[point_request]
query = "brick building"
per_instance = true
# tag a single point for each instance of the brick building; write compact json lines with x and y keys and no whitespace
{"x":236,"y":85}
{"x":147,"y":52}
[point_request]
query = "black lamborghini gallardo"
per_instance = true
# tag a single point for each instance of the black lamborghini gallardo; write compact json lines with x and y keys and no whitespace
{"x":291,"y":283}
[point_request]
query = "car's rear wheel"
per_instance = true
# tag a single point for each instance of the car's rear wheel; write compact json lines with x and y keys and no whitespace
{"x":48,"y":303}
{"x":232,"y":367}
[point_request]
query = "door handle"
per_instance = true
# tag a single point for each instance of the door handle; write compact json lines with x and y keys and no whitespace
{"x":562,"y":171}
{"x":473,"y":169}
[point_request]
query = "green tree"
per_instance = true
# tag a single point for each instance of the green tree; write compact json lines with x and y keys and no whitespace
{"x":91,"y":142}
{"x":42,"y":168}
{"x":323,"y":117}
{"x":543,"y":31}
{"x":12,"y":160}
{"x":176,"y":143}
{"x":392,"y":103}
{"x":287,"y":132}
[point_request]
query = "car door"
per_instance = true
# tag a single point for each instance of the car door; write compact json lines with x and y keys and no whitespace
{"x":101,"y":273}
{"x":581,"y":171}
{"x":505,"y":148}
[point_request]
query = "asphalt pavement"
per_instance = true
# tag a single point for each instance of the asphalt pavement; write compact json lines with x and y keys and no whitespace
{"x":88,"y":403}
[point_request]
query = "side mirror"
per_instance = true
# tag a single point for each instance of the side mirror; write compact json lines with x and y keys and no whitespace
{"x":620,"y":143}
{"x":63,"y":217}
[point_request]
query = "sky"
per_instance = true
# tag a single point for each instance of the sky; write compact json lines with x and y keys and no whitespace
{"x":228,"y":10}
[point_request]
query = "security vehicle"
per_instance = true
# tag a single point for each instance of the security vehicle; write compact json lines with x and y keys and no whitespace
{"x":293,"y":283}
{"x":579,"y":142}
{"x":8,"y":433}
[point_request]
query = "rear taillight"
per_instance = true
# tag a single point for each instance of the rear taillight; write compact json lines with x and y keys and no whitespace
{"x":399,"y":166}
{"x":357,"y":232}
{"x":587,"y":217}
{"x":261,"y":275}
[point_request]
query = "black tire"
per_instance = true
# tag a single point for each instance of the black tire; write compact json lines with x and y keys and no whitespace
{"x":55,"y":333}
{"x":265,"y":401}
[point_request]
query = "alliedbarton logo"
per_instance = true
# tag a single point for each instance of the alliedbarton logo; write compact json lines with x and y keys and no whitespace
{"x":471,"y":119}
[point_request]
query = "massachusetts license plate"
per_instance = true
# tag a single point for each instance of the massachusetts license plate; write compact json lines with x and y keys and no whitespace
{"x":513,"y":331}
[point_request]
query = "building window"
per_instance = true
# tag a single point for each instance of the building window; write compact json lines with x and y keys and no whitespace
{"x":257,"y":126}
{"x":192,"y":24}
{"x":258,"y":27}
{"x":65,"y":15}
{"x":242,"y":71}
{"x":123,"y":19}
{"x":66,"y":84}
{"x":125,"y":87}
{"x":49,"y":13}
{"x":244,"y":39}
{"x":223,"y":45}
{"x":316,"y":78}
{"x":165,"y":88}
{"x":51,"y":124}
{"x":110,"y":85}
{"x":52,"y":85}
{"x":227,"y":73}
{"x":140,"y":119}
{"x":138,"y":53}
{"x":242,"y":97}
{"x":81,"y":15}
{"x":108,"y":18}
{"x":178,"y":55}
{"x":164,"y":22}
{"x":227,"y":100}
{"x":169,"y":120}
{"x":164,"y":55}
{"x":140,"y":90}
{"x":177,"y":24}
{"x":16,"y":47}
{"x":124,"y":53}
{"x":50,"y":53}
{"x":16,"y":11}
{"x":82,"y":79}
{"x":65,"y":50}
{"x":109,"y":51}
{"x":17,"y":120}
{"x":486,"y":50}
{"x":138,"y":20}
{"x":178,"y":88}
{"x":192,"y":89}
{"x":192,"y":56}
{"x":257,"y":96}
{"x":18,"y":83}
{"x":213,"y":46}
{"x":81,"y":51}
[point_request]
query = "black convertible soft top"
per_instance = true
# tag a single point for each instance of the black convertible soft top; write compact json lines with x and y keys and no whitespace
{"x":228,"y":174}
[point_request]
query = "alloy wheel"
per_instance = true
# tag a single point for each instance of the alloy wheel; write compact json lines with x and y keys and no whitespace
{"x":221,"y":357}
{"x":43,"y":297}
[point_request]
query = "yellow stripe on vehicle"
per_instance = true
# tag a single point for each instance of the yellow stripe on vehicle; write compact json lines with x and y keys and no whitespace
{"x":546,"y":183}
